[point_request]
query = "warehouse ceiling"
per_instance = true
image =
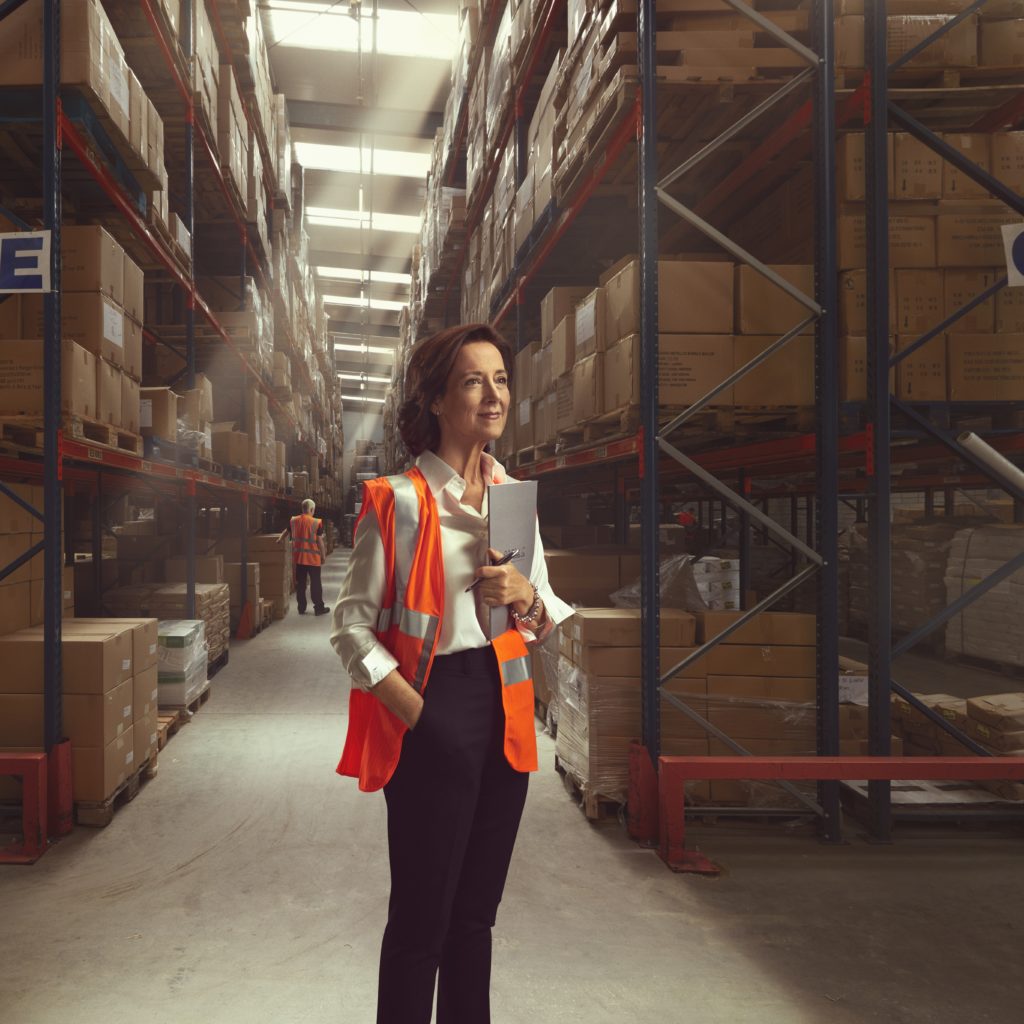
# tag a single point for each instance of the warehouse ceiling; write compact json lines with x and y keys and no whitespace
{"x":363,"y":113}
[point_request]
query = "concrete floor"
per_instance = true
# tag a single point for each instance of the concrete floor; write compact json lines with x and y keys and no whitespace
{"x":247,"y":884}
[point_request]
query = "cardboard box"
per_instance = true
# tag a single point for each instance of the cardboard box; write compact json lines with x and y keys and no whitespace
{"x":769,"y":628}
{"x":1003,"y":712}
{"x":853,"y":368}
{"x":764,"y":308}
{"x":94,"y":720}
{"x":109,"y":393}
{"x":231,"y":447}
{"x":786,"y":378}
{"x":959,"y":288}
{"x":755,"y":660}
{"x":130,"y":404}
{"x":1001,"y":44}
{"x":919,"y":300}
{"x":21,"y":379}
{"x":922,"y":376}
{"x":588,"y":388}
{"x":589,"y":329}
{"x":693,"y":297}
{"x":764,"y":688}
{"x":625,"y":661}
{"x":977,"y":148}
{"x":10,"y":317}
{"x":582,"y":577}
{"x":13,"y":517}
{"x":158,"y":413}
{"x":97,"y":772}
{"x":209,"y":569}
{"x":1008,"y":159}
{"x":853,"y":302}
{"x":620,"y":627}
{"x":557,"y":305}
{"x":144,"y":638}
{"x":563,"y":347}
{"x":850,"y":155}
{"x":89,"y":318}
{"x":689,"y":366}
{"x":958,"y":48}
{"x":93,"y":662}
{"x":15,"y":607}
{"x":522,"y":374}
{"x":911,"y":240}
{"x":986,"y":367}
{"x":145,"y":739}
{"x":1009,"y":312}
{"x":132,"y":364}
{"x":970,"y":235}
{"x":91,"y":261}
{"x":37,"y":599}
{"x":917,"y":169}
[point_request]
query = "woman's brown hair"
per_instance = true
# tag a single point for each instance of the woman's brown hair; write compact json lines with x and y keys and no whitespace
{"x":427,"y":376}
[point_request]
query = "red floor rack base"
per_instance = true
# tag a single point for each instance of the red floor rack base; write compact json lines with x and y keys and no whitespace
{"x":657,"y":812}
{"x":45,"y":803}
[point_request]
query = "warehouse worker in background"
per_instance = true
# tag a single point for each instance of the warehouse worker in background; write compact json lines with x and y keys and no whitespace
{"x":309,"y":552}
{"x":453,"y":757}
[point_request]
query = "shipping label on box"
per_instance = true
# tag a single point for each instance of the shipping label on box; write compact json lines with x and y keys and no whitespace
{"x":590,"y":325}
{"x":911,"y":240}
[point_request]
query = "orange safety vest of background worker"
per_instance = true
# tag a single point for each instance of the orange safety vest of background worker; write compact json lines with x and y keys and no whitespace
{"x":409,"y":627}
{"x":308,"y":554}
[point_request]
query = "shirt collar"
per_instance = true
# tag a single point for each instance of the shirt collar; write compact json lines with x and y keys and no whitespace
{"x":439,"y":474}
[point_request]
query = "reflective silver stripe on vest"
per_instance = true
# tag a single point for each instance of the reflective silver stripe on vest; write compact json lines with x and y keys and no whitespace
{"x":407,"y":521}
{"x":515,"y":670}
{"x":429,"y":642}
{"x":384,"y":620}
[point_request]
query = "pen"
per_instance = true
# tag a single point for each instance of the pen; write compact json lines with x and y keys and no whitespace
{"x":504,"y":560}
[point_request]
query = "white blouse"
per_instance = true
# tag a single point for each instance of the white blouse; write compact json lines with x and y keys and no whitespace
{"x":464,"y":548}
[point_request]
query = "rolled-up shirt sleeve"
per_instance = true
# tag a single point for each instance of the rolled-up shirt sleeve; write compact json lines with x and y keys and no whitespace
{"x":556,"y":610}
{"x":356,"y":611}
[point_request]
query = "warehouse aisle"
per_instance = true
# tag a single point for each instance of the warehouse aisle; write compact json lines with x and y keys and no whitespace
{"x":247,"y":885}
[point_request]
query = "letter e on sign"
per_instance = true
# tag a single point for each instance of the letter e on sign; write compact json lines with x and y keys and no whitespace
{"x":1013,"y":242}
{"x":25,"y":262}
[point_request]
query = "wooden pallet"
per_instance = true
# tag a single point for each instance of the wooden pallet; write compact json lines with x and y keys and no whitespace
{"x":745,"y":420}
{"x":29,"y":432}
{"x":167,"y":726}
{"x":99,"y":814}
{"x":595,"y":806}
{"x":183,"y":712}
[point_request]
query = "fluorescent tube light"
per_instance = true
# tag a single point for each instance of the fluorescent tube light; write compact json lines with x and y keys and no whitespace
{"x":322,"y":157}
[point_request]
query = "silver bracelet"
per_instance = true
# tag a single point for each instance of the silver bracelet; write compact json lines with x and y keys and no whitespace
{"x":531,"y":615}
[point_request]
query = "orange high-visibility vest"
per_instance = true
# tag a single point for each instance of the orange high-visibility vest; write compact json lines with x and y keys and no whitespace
{"x":409,"y":626}
{"x":305,"y":549}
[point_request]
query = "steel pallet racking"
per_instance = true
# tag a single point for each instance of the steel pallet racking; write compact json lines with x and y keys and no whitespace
{"x":75,"y":465}
{"x":837,"y":463}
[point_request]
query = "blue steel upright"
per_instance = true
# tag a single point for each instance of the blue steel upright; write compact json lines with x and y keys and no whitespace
{"x":879,"y":412}
{"x":650,"y":603}
{"x":826,"y":385}
{"x":187,"y":35}
{"x":53,"y":553}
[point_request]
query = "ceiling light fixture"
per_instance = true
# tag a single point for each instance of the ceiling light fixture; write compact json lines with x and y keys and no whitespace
{"x":363,"y":276}
{"x":355,"y":219}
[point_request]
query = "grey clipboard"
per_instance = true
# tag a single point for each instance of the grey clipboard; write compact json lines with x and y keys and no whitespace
{"x":511,"y":523}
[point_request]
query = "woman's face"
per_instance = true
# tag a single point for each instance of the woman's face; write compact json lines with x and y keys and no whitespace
{"x":474,"y":406}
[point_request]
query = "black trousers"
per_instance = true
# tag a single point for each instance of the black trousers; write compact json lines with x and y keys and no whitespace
{"x":316,"y":590}
{"x":454,"y":805}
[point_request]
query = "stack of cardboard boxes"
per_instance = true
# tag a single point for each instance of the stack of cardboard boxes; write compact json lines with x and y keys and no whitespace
{"x":109,"y":699}
{"x":182,"y":662}
{"x":101,"y":324}
{"x":272,"y":553}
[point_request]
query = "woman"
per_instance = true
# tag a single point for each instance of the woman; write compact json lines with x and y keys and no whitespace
{"x":442,"y":719}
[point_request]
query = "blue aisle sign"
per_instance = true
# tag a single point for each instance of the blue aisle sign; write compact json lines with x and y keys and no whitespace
{"x":25,"y":262}
{"x":1013,"y":241}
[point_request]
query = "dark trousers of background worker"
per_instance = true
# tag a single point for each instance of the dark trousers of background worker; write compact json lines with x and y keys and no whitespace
{"x":454,"y":805}
{"x":316,"y":590}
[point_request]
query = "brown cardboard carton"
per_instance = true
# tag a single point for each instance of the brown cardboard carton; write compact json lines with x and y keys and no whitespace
{"x":21,"y":720}
{"x":12,"y":546}
{"x":693,"y":297}
{"x":911,"y":239}
{"x":109,"y":393}
{"x":564,"y":419}
{"x":768,"y":628}
{"x":977,"y":148}
{"x":522,"y":375}
{"x":94,"y":720}
{"x":620,"y":627}
{"x":1002,"y":712}
{"x":763,"y":688}
{"x":625,"y":661}
{"x":757,"y":660}
{"x":851,"y":164}
{"x":563,"y":347}
{"x":13,"y":517}
{"x":15,"y":606}
{"x":558,"y":304}
{"x":158,"y":413}
{"x":986,"y":367}
{"x":97,"y":772}
{"x":917,"y":169}
{"x":582,"y":577}
{"x":1008,"y":159}
{"x":587,"y":388}
{"x":689,"y":366}
{"x":960,"y":287}
{"x":89,"y":318}
{"x":524,"y":424}
{"x":91,"y":261}
{"x":785,"y":378}
{"x":132,"y":348}
{"x":919,"y":300}
{"x":130,"y":403}
{"x":21,"y":379}
{"x":853,"y":302}
{"x":590,"y":324}
{"x":762,"y":307}
{"x":1001,"y":44}
{"x":233,"y":578}
{"x":923,"y":375}
{"x":144,"y":737}
{"x":209,"y":569}
{"x":853,"y":368}
{"x":1009,"y":311}
{"x":96,"y":663}
{"x":231,"y":447}
{"x":969,"y":234}
{"x":144,"y":638}
{"x":10,"y":317}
